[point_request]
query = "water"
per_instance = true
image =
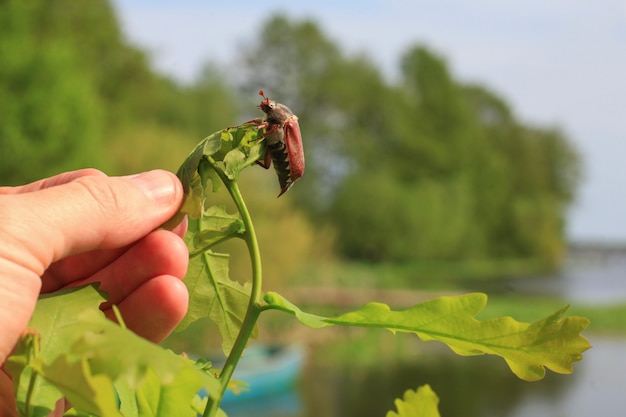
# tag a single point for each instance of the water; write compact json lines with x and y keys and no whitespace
{"x":584,"y":279}
{"x":475,"y":387}
{"x":597,"y":388}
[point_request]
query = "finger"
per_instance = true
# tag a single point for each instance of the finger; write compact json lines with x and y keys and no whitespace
{"x":160,"y":253}
{"x":181,"y":228}
{"x":84,"y":265}
{"x":8,"y":407}
{"x":154,"y":310}
{"x":63,"y":178}
{"x":91,"y":212}
{"x":77,"y":268}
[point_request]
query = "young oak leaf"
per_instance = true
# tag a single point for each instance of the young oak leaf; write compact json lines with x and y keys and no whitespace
{"x":132,"y":361}
{"x":528,"y":348}
{"x":88,"y":352}
{"x":420,"y":403}
{"x":55,"y":315}
{"x":89,"y":393}
{"x":154,"y":399}
{"x":215,"y":226}
{"x":248,"y":150}
{"x":34,"y":396}
{"x":214,"y":294}
{"x":52,"y":324}
{"x":237,"y":147}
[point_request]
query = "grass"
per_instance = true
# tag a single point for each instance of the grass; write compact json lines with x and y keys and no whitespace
{"x":424,"y":275}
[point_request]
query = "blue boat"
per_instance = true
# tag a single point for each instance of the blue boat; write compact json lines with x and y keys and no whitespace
{"x":266,"y":374}
{"x":266,"y":371}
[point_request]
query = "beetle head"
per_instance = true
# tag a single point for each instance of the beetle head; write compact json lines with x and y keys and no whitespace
{"x":276,"y":113}
{"x":266,"y":105}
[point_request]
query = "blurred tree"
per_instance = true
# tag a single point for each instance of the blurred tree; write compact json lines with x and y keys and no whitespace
{"x":50,"y":116}
{"x":69,"y":79}
{"x":426,"y":168}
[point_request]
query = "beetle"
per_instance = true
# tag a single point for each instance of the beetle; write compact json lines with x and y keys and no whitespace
{"x":284,"y":143}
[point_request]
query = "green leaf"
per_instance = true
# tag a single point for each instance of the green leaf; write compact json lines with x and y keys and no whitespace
{"x":528,"y":348}
{"x":142,"y":370}
{"x":420,"y":403}
{"x":218,"y":158}
{"x":53,"y":322}
{"x":279,"y":302}
{"x":86,"y":353}
{"x":216,"y":226}
{"x":56,"y":313}
{"x":248,"y":151}
{"x":237,"y":147}
{"x":154,"y":399}
{"x":93,"y":394}
{"x":214,"y":294}
{"x":207,"y":147}
{"x":34,"y":396}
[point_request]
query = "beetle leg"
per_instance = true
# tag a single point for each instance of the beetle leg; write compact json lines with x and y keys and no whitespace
{"x":267,"y":161}
{"x":255,"y":121}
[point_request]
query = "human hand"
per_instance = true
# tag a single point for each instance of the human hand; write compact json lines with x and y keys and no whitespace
{"x":81,"y":227}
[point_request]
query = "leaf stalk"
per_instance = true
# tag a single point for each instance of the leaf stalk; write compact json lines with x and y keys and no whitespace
{"x":255,"y":304}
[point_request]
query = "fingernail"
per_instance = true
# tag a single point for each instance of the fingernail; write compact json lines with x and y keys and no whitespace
{"x":158,"y":185}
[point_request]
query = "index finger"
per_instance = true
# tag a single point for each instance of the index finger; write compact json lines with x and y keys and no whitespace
{"x":59,"y":179}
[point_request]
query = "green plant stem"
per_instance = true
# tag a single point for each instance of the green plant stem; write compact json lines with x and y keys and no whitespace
{"x":203,"y":249}
{"x":255,"y":305}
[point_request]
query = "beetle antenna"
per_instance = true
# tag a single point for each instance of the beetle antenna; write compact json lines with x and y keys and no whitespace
{"x":266,"y":101}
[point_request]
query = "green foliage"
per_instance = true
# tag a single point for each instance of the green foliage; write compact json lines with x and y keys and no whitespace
{"x":75,"y":352}
{"x":404,"y":226}
{"x":443,"y":157}
{"x":107,"y":362}
{"x":426,"y":167}
{"x":223,"y":300}
{"x":50,"y":117}
{"x":420,"y":403}
{"x":447,"y":159}
{"x":69,"y":80}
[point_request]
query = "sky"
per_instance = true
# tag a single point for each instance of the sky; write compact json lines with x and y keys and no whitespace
{"x":556,"y":62}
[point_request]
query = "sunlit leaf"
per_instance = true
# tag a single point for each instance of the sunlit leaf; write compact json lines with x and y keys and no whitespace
{"x":34,"y":396}
{"x":154,"y":399}
{"x":214,"y":294}
{"x":236,"y":147}
{"x":55,"y":315}
{"x":278,"y":302}
{"x":87,"y":392}
{"x":87,"y":354}
{"x":216,"y":226}
{"x":123,"y":356}
{"x":53,"y":324}
{"x":420,"y":403}
{"x":528,"y":348}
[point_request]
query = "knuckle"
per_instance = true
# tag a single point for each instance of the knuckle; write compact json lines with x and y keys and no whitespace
{"x":109,"y":198}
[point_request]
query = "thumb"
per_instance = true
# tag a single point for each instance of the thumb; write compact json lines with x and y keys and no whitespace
{"x":90,"y":212}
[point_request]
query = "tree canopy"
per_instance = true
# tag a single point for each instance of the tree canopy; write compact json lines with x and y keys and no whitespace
{"x":425,"y":167}
{"x":421,"y":167}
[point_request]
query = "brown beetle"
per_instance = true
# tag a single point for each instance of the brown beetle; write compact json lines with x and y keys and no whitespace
{"x":284,"y":143}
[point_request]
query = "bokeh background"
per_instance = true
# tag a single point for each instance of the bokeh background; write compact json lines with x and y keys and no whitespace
{"x":450,"y":147}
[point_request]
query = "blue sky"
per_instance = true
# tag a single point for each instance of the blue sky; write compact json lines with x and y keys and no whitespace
{"x":556,"y":62}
